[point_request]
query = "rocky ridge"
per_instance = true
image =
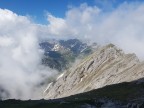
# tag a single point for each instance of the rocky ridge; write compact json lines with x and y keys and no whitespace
{"x":107,"y":65}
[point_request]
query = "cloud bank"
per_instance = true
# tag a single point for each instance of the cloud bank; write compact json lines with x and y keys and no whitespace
{"x":122,"y":26}
{"x":21,"y":71}
{"x":20,"y":58}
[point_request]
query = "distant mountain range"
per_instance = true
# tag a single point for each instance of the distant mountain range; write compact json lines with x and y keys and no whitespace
{"x":58,"y":54}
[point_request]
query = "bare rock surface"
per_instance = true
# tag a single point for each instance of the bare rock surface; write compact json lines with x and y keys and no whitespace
{"x":107,"y":65}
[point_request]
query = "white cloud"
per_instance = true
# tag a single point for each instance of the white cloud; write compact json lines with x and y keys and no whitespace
{"x":57,"y":25}
{"x":122,"y":26}
{"x":20,"y":59}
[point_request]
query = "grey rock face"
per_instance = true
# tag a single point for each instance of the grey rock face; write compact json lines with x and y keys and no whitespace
{"x":108,"y":65}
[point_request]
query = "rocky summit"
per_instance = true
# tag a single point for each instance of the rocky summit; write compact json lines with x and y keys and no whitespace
{"x":106,"y":66}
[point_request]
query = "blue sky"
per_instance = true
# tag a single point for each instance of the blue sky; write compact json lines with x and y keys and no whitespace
{"x":37,"y":8}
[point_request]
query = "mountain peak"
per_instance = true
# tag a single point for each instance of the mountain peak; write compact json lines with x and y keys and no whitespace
{"x":107,"y":65}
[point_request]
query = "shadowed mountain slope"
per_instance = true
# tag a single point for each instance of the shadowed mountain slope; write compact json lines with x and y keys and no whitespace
{"x":122,"y":95}
{"x":108,"y":65}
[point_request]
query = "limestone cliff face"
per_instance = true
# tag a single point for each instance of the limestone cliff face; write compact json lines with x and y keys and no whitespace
{"x":108,"y":65}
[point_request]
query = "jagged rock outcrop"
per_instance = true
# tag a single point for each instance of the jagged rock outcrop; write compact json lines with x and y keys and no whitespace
{"x":108,"y":65}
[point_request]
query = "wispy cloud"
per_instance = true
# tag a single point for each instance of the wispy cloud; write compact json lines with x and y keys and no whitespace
{"x":122,"y":26}
{"x":20,"y":59}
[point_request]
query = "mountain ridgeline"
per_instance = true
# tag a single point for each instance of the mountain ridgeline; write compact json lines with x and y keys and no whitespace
{"x":106,"y":66}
